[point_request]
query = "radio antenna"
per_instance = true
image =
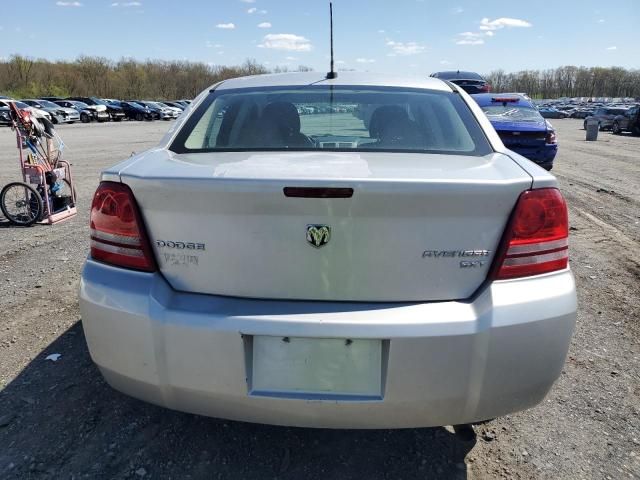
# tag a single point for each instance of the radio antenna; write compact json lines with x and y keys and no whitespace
{"x":332,"y":73}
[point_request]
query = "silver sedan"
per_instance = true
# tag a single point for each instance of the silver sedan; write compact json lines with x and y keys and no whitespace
{"x":311,"y":270}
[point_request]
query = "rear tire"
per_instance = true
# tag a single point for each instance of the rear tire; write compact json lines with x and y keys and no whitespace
{"x":85,"y":118}
{"x":139,"y":117}
{"x":21,"y":204}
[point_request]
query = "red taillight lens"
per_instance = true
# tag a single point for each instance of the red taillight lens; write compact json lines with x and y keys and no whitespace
{"x":486,"y":88}
{"x":551,"y":138}
{"x":537,"y":238}
{"x":117,"y":232}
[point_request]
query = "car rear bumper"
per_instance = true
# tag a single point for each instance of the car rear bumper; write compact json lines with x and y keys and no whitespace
{"x":542,"y":155}
{"x":444,"y":362}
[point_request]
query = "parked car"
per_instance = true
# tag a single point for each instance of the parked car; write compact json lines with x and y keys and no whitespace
{"x":163,"y":112}
{"x":88,"y":113}
{"x":520,"y":126}
{"x":177,"y":105}
{"x":134,"y":111}
{"x":37,"y":112}
{"x":115,"y":113}
{"x":259,"y":268}
{"x":5,"y":115}
{"x":470,"y":82}
{"x":605,"y":116}
{"x":58,"y":114}
{"x":550,"y":112}
{"x":629,"y":121}
{"x":176,"y":110}
{"x":582,"y":113}
{"x":73,"y":115}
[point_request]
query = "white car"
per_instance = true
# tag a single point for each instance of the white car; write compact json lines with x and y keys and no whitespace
{"x":264,"y":266}
{"x":175,"y":110}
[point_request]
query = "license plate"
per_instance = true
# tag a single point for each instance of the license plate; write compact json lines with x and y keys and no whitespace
{"x":316,"y":367}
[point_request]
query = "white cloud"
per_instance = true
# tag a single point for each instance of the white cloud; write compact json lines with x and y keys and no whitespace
{"x":601,"y":20}
{"x":612,"y":48}
{"x":489,"y":33}
{"x":252,"y":10}
{"x":340,"y":62}
{"x":445,"y":62}
{"x":69,"y":4}
{"x":365,"y":60}
{"x":457,"y":10}
{"x":286,"y":41}
{"x":498,"y":23}
{"x":264,"y":25}
{"x":210,"y":44}
{"x":126,"y":4}
{"x":381,"y":31}
{"x":290,"y":58}
{"x":226,"y":26}
{"x":248,"y":1}
{"x":469,"y":38}
{"x":408,"y":48}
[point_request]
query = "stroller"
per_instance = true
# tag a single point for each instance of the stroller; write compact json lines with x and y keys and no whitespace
{"x":46,"y":193}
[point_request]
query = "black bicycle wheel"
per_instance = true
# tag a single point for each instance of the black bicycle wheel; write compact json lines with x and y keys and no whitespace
{"x":21,"y":204}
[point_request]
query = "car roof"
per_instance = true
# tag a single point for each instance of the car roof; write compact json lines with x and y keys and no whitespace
{"x":484,"y":99}
{"x":457,"y":74}
{"x":343,"y":79}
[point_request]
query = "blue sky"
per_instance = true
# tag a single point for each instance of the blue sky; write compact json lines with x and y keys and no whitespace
{"x":410,"y":36}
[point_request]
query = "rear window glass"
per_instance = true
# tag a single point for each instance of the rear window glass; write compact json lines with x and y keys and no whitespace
{"x":338,"y":118}
{"x":509,"y":113}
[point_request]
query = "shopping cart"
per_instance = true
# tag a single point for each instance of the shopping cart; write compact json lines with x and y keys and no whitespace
{"x":46,"y":194}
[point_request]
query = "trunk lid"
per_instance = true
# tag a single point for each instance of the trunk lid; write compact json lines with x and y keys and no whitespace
{"x":220,"y":223}
{"x":521,"y":134}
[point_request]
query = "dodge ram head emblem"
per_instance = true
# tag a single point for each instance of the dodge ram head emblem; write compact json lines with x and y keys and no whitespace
{"x":318,"y":235}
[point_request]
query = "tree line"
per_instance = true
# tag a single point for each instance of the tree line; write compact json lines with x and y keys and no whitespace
{"x":24,"y":77}
{"x":569,"y":81}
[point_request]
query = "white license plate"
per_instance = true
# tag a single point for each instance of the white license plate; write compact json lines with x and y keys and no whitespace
{"x":316,"y":367}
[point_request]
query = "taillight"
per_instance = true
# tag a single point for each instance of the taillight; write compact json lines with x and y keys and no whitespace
{"x":117,"y":233}
{"x":486,"y":88}
{"x":550,"y":138}
{"x":536,"y":238}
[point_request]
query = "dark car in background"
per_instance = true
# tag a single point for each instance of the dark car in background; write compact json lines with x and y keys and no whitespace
{"x":470,"y":82}
{"x":582,"y":112}
{"x":629,"y":121}
{"x":605,"y":116}
{"x":520,"y":126}
{"x":551,"y":112}
{"x":134,"y":111}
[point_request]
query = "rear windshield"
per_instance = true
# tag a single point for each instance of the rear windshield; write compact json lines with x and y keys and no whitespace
{"x":338,"y":118}
{"x":510,"y":113}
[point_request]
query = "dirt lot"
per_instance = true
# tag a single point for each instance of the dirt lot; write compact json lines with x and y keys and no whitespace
{"x":60,"y":420}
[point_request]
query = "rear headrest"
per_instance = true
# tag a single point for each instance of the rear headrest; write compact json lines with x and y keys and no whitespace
{"x":284,"y":115}
{"x":385,"y":116}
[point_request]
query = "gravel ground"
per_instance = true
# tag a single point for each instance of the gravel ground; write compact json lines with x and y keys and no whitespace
{"x":60,"y":419}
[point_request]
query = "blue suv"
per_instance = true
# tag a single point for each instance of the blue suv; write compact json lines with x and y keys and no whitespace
{"x":520,"y":126}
